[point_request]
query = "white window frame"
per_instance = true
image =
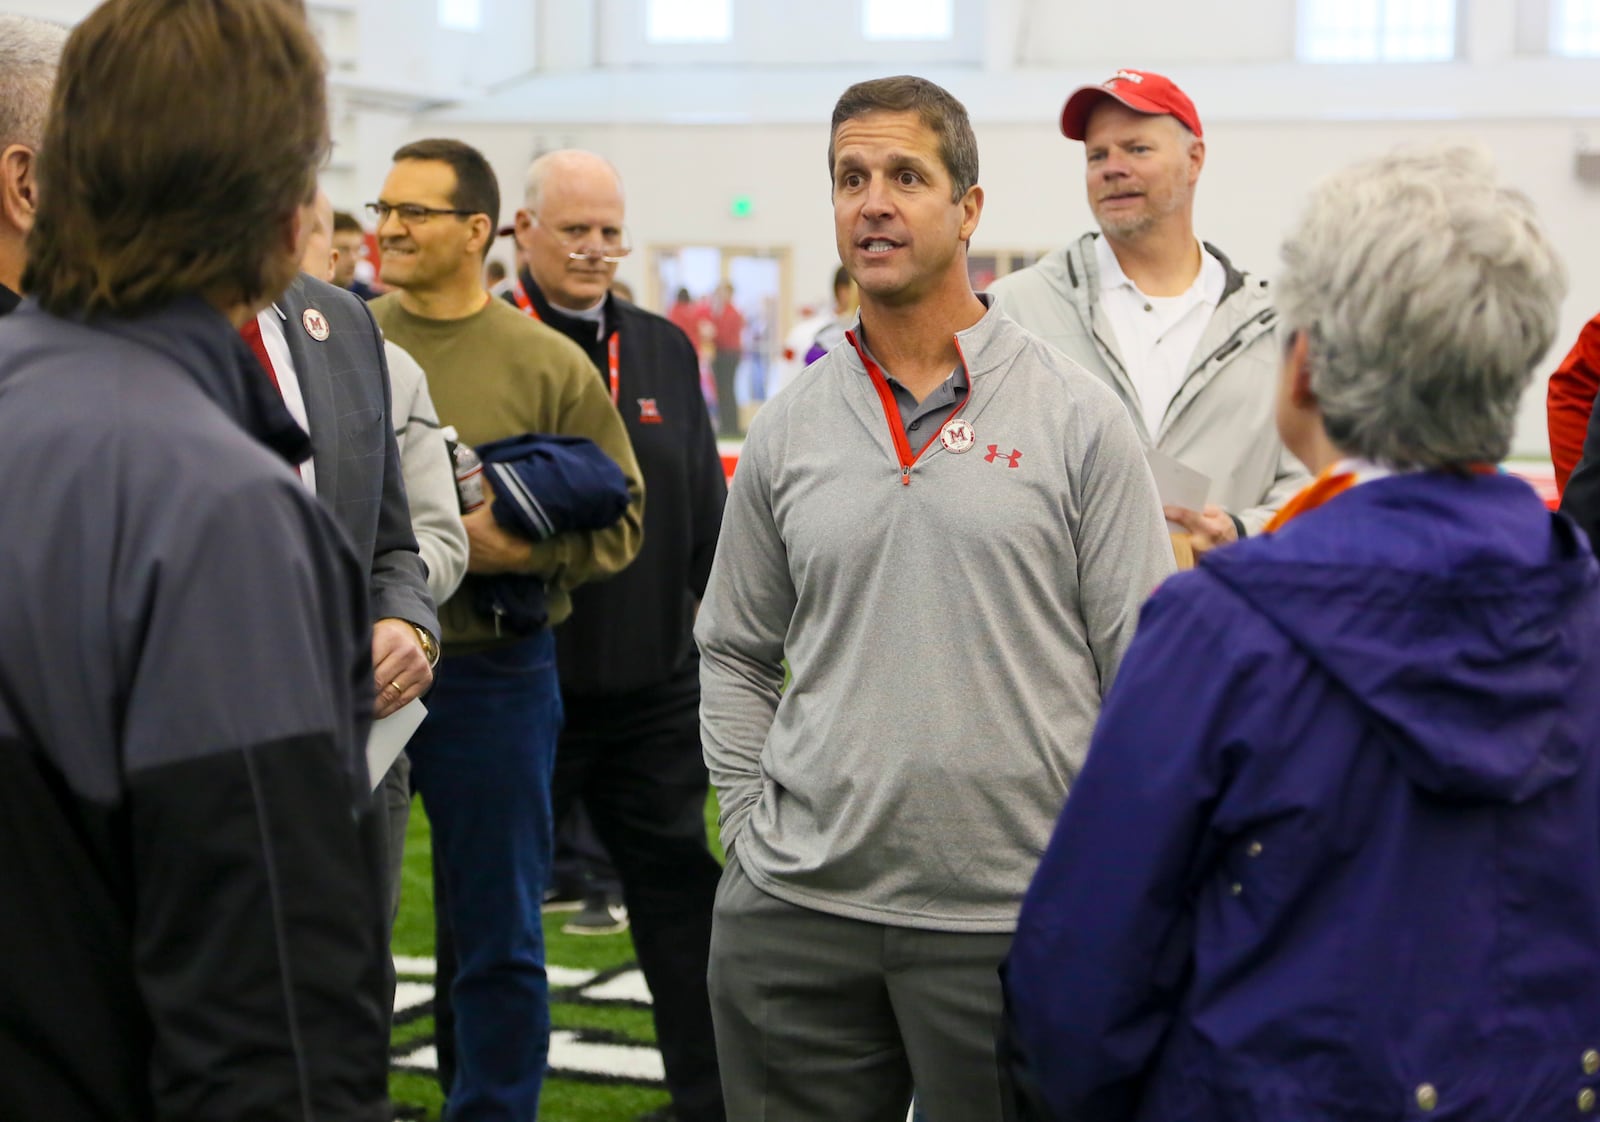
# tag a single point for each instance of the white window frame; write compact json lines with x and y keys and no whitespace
{"x":656,"y":35}
{"x":1308,"y":48}
{"x":889,"y":35}
{"x":461,"y":15}
{"x":1562,"y":18}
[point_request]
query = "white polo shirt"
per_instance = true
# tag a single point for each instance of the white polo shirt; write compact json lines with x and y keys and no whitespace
{"x":1157,"y":335}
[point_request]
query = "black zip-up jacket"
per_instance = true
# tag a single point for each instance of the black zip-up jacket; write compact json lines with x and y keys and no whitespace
{"x":635,"y":630}
{"x":190,"y":924}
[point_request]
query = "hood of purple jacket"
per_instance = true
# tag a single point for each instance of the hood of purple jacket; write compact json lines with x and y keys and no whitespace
{"x":1456,"y":632}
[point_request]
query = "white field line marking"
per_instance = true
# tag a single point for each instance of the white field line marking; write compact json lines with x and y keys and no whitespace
{"x":624,"y":987}
{"x":637,"y":1063}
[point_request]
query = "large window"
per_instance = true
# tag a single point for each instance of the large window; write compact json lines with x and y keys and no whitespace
{"x":688,"y":21}
{"x":1575,"y":28}
{"x":1377,"y":30}
{"x":461,"y":15}
{"x":907,"y":19}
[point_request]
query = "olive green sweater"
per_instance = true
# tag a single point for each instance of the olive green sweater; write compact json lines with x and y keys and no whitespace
{"x":499,"y":373}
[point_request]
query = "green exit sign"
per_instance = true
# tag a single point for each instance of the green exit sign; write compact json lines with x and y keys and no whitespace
{"x":743,"y":206}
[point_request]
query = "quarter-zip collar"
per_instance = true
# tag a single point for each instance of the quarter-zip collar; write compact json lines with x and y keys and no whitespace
{"x":980,"y":350}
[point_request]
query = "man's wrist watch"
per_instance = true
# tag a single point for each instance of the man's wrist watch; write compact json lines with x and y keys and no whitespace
{"x":430,"y":645}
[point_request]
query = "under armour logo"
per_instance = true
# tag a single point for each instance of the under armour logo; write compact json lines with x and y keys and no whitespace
{"x":1013,"y":458}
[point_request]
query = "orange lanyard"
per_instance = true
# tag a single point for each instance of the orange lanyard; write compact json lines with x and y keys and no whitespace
{"x":613,"y":344}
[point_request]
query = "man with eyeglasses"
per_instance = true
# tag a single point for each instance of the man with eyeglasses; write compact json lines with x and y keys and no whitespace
{"x":630,"y":674}
{"x":482,"y":759}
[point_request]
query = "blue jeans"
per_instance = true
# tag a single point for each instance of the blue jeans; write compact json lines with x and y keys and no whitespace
{"x":483,"y":761}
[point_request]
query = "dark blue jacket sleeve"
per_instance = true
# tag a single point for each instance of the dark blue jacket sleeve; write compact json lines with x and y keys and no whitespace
{"x":1103,"y":943}
{"x":547,"y":485}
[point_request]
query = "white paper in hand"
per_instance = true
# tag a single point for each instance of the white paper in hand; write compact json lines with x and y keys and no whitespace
{"x":1177,"y":484}
{"x":388,"y":739}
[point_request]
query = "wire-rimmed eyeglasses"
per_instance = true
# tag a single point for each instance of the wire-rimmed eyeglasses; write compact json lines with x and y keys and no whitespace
{"x":579,"y":240}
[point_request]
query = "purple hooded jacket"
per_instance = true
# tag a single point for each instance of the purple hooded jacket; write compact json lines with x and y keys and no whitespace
{"x":1335,"y":853}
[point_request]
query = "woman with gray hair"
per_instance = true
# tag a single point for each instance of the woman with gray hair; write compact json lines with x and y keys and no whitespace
{"x":1335,"y":853}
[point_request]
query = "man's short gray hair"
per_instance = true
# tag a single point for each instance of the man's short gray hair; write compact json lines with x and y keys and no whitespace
{"x":30,"y":51}
{"x":542,"y":166}
{"x":1427,"y":292}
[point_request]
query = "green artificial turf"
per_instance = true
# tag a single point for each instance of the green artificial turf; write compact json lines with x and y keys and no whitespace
{"x":589,"y":1099}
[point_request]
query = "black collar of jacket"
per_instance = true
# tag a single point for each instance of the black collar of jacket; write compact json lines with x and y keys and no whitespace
{"x":199,"y":339}
{"x":580,"y":331}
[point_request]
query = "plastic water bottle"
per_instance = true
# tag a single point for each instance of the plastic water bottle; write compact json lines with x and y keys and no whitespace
{"x":469,"y":471}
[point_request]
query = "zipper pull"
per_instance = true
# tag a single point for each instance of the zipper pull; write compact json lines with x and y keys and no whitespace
{"x":905,"y":477}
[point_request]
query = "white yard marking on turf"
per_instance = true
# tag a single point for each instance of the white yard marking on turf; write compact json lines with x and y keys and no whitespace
{"x":561,"y":977}
{"x":640,"y":1063}
{"x":569,"y":1055}
{"x":424,"y":1059}
{"x":637,"y":1063}
{"x":566,"y":978}
{"x":411,"y":995}
{"x":624,"y":987}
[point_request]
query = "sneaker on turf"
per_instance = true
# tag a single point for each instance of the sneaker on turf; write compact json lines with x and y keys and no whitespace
{"x":598,"y":916}
{"x":562,"y":898}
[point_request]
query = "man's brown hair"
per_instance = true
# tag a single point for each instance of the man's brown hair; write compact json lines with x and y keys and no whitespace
{"x":183,"y":135}
{"x":934,"y":105}
{"x":477,"y":187}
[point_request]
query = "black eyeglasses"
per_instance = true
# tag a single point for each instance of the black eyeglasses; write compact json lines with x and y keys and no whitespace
{"x":410,"y":214}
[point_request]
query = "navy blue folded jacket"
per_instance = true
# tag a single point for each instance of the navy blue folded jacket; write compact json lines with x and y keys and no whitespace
{"x":544,"y":485}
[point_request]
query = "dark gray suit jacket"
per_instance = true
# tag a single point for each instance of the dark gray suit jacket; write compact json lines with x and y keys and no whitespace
{"x":345,"y":382}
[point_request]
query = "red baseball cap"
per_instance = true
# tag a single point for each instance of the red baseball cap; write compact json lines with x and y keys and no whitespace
{"x":1139,"y":90}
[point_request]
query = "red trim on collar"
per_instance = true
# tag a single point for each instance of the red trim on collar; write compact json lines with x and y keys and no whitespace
{"x":891,"y":410}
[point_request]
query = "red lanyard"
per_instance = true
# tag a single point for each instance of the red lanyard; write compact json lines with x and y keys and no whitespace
{"x":613,"y":345}
{"x":891,"y":409}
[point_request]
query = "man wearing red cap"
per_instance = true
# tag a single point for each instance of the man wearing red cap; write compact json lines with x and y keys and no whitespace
{"x":1182,"y":336}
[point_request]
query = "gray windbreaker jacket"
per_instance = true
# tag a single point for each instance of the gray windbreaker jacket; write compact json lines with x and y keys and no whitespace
{"x":1221,"y":421}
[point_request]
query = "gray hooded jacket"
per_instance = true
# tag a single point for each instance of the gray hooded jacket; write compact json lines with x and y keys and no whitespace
{"x":951,"y":626}
{"x":1221,"y":421}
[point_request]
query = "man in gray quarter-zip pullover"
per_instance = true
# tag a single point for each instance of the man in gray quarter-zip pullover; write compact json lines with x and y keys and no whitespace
{"x":946,"y":530}
{"x":1183,"y":337}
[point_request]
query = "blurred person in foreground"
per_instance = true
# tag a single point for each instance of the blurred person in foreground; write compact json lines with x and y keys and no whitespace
{"x":1345,"y":795}
{"x":193,"y":923}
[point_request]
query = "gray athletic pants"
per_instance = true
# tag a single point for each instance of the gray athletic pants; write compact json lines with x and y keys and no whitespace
{"x":825,"y":1019}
